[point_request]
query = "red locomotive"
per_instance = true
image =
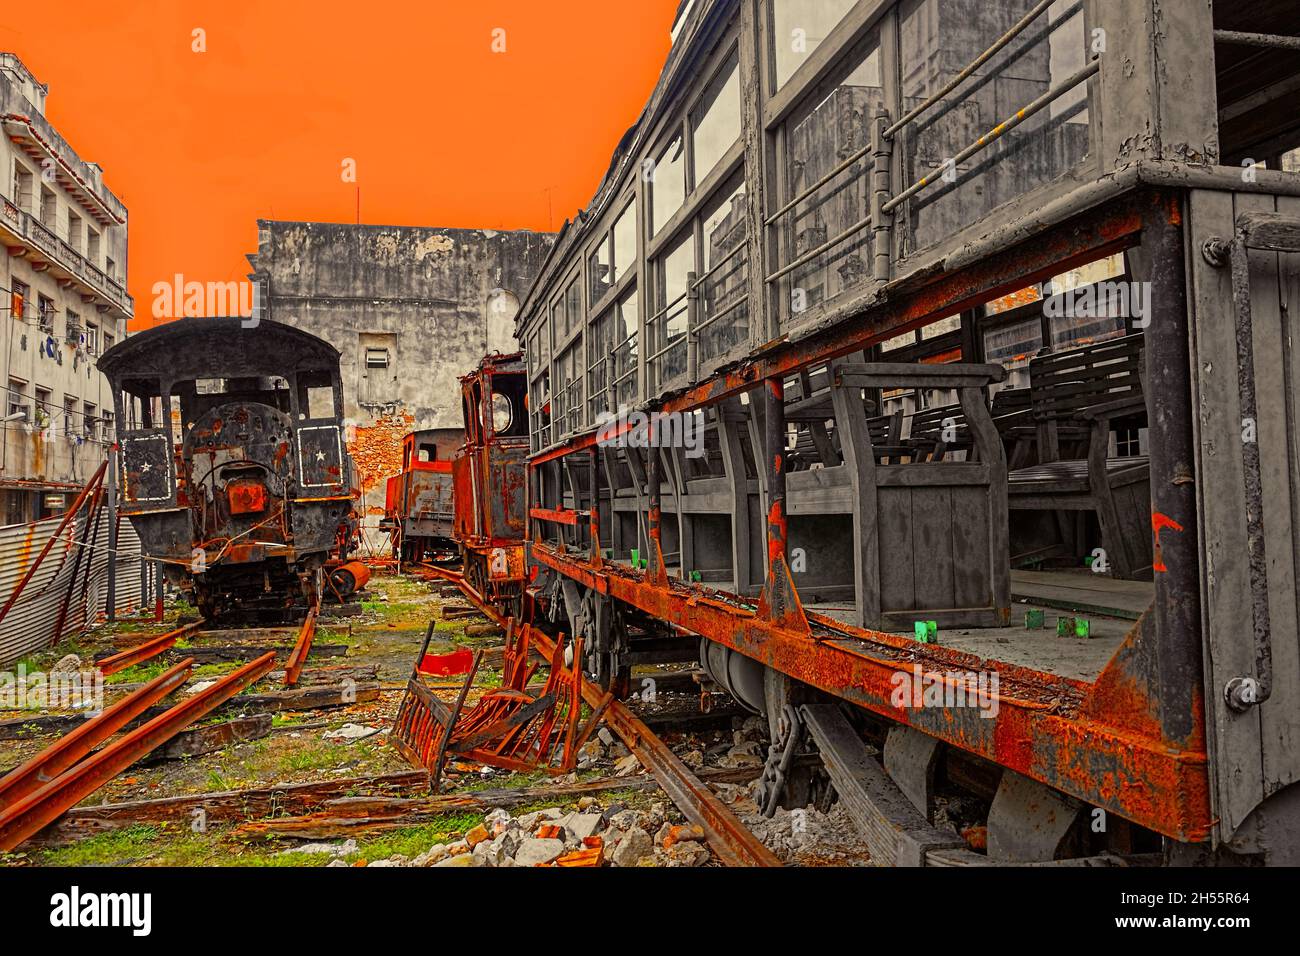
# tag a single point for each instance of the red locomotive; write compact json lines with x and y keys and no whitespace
{"x":418,"y":506}
{"x":489,"y":478}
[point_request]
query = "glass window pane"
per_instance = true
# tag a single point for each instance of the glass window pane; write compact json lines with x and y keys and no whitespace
{"x":937,"y":39}
{"x":600,"y":270}
{"x":625,"y":242}
{"x":724,"y":289}
{"x":820,"y":137}
{"x":716,"y":123}
{"x":667,"y":184}
{"x":798,"y":26}
{"x":669,"y":331}
{"x":573,"y":305}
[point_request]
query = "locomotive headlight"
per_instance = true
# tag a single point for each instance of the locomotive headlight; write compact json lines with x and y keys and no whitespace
{"x":246,"y":496}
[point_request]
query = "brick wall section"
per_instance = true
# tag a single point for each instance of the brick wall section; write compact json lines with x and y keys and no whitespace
{"x":376,"y":452}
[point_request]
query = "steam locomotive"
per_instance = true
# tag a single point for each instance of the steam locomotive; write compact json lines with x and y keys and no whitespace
{"x":233,"y":468}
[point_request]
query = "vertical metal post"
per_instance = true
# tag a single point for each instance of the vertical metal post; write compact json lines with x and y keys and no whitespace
{"x":780,"y":601}
{"x":110,"y":608}
{"x":692,"y":323}
{"x":774,"y":440}
{"x":655,"y":562}
{"x":1172,"y":452}
{"x":881,"y":221}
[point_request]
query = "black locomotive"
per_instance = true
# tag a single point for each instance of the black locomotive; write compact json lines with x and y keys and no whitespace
{"x":233,"y":469}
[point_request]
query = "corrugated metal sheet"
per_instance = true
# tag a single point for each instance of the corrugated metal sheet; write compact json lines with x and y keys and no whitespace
{"x":30,"y":624}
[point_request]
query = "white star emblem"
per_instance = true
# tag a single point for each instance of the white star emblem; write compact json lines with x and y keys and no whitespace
{"x":320,"y":456}
{"x":146,"y":467}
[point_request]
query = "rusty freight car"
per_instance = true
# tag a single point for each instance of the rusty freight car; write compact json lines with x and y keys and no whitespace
{"x":419,"y":509}
{"x":930,"y":362}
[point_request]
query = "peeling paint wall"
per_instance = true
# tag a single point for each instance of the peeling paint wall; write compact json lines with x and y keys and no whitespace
{"x":431,"y":302}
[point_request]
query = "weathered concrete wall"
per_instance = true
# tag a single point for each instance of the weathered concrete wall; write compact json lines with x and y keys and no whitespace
{"x":431,"y":302}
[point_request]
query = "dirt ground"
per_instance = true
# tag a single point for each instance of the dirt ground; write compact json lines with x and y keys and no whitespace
{"x":304,"y":747}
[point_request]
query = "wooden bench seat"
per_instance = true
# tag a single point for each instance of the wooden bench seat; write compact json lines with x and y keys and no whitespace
{"x":1088,"y":390}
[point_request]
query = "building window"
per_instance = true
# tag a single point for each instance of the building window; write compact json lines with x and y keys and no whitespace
{"x":599,"y":270}
{"x":92,"y":247}
{"x":17,"y":407}
{"x":715,"y":125}
{"x":379,"y":369}
{"x":49,"y":209}
{"x":92,"y":338}
{"x":625,"y":242}
{"x":23,"y":180}
{"x":43,"y":410}
{"x":19,"y":299}
{"x":72,"y":332}
{"x":667,"y":184}
{"x":798,"y":28}
{"x":74,"y":231}
{"x":110,"y":433}
{"x":90,"y":421}
{"x":45,"y":314}
{"x":70,"y":416}
{"x":110,"y":268}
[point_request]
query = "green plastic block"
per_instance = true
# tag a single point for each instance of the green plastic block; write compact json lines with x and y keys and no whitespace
{"x":636,"y":558}
{"x":1082,"y":627}
{"x":926,"y":631}
{"x":696,"y":576}
{"x":1065,"y":627}
{"x":1034,"y":619}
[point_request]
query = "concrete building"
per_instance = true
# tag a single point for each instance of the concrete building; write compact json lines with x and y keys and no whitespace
{"x":410,"y":309}
{"x":64,"y":302}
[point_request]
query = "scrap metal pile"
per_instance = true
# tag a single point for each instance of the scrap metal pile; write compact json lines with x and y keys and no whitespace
{"x":514,"y":727}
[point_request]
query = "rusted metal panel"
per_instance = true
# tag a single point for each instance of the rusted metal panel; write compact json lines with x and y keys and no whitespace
{"x":1056,"y":730}
{"x":30,"y":625}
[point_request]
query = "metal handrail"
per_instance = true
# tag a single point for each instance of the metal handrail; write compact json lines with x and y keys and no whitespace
{"x":1272,"y":40}
{"x":718,"y":265}
{"x":970,"y":68}
{"x":809,"y":190}
{"x":742,"y":300}
{"x":999,"y":131}
{"x":664,"y":311}
{"x":816,"y":251}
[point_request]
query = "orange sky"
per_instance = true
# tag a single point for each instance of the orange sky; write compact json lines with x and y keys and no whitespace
{"x":444,"y":131}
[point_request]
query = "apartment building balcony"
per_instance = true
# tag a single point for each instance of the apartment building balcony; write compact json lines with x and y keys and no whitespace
{"x":27,"y":236}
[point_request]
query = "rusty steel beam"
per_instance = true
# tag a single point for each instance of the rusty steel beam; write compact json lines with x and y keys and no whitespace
{"x":730,"y":839}
{"x":143,"y":652}
{"x":30,"y":815}
{"x":1043,"y":727}
{"x":72,"y":747}
{"x":301,"y":648}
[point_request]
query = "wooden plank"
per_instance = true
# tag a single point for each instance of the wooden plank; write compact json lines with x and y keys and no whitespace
{"x":1235,"y":738}
{"x":931,"y":552}
{"x":894,"y":514}
{"x":213,"y":737}
{"x":1275,"y":293}
{"x":969,"y":532}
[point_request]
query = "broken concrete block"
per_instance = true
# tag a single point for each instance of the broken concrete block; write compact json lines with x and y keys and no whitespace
{"x":579,"y":826}
{"x":464,"y":859}
{"x":635,"y":844}
{"x":533,"y":852}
